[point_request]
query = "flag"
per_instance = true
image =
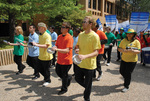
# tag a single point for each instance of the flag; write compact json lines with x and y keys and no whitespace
{"x":139,"y":21}
{"x":100,"y":24}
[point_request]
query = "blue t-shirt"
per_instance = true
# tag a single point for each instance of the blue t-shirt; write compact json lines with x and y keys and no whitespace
{"x":75,"y":40}
{"x":54,"y":37}
{"x":35,"y":50}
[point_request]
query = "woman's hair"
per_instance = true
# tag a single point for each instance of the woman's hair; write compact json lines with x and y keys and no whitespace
{"x":19,"y":29}
{"x":133,"y":38}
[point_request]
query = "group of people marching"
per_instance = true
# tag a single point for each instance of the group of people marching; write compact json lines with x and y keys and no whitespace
{"x":91,"y":45}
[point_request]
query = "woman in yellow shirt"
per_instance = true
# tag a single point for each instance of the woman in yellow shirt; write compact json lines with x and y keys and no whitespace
{"x":130,"y":48}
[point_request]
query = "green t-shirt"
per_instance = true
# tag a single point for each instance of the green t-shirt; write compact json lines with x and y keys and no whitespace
{"x":71,"y":32}
{"x":18,"y":50}
{"x":111,"y":37}
{"x":119,"y":37}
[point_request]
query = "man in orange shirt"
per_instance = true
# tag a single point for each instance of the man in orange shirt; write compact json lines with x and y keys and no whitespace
{"x":103,"y":41}
{"x":64,"y":46}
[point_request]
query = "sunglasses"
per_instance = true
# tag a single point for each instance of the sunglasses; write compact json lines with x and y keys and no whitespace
{"x":63,"y":27}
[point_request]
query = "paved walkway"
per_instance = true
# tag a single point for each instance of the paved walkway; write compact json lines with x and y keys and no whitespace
{"x":22,"y":88}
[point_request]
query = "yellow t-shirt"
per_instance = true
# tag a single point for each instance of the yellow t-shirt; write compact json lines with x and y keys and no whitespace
{"x":129,"y":57}
{"x":45,"y":39}
{"x":87,"y":44}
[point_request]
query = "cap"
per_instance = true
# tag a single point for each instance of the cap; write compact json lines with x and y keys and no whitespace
{"x":41,"y":24}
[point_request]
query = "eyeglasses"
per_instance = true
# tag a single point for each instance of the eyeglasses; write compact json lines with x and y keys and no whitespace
{"x":84,"y":22}
{"x":63,"y":27}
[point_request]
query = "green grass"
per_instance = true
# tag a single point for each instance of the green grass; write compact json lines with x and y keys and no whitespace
{"x":4,"y":45}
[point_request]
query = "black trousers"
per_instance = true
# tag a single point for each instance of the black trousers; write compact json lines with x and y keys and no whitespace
{"x":54,"y":58}
{"x":43,"y":68}
{"x":118,"y":54}
{"x":84,"y":78}
{"x":108,"y":51}
{"x":98,"y":59}
{"x":18,"y":61}
{"x":126,"y":69}
{"x":62,"y":72}
{"x":33,"y":62}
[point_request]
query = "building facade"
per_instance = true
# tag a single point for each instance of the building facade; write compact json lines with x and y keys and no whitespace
{"x":100,"y":8}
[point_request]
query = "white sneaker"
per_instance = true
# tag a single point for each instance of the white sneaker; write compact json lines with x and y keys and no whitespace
{"x":99,"y":77}
{"x":125,"y":90}
{"x":107,"y":64}
{"x":45,"y":84}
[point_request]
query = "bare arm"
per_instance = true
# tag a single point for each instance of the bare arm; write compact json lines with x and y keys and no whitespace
{"x":61,"y":50}
{"x":93,"y":54}
{"x":13,"y":44}
{"x":128,"y":51}
{"x":40,"y":45}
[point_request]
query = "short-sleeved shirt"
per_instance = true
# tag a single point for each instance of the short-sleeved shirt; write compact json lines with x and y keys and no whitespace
{"x":48,"y":31}
{"x":75,"y":40}
{"x":129,"y":57}
{"x":88,"y":43}
{"x":121,"y":36}
{"x":111,"y":37}
{"x":33,"y":51}
{"x":71,"y":32}
{"x":64,"y":42}
{"x":18,"y":50}
{"x":102,"y":36}
{"x":54,"y":37}
{"x":45,"y":38}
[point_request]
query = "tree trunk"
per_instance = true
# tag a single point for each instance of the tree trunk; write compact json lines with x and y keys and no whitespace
{"x":11,"y":26}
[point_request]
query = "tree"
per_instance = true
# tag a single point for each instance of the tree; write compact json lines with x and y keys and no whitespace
{"x":14,"y":10}
{"x":17,"y":10}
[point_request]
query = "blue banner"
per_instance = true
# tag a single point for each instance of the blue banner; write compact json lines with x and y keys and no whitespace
{"x":111,"y":21}
{"x":148,"y":28}
{"x":125,"y":25}
{"x":100,"y":24}
{"x":139,"y":21}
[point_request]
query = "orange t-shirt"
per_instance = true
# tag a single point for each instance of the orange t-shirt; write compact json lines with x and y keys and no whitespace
{"x":64,"y":42}
{"x":102,"y":36}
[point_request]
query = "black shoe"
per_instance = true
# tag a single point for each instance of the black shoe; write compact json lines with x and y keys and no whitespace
{"x":69,"y":81}
{"x":61,"y":92}
{"x":36,"y":77}
{"x":19,"y":72}
{"x":118,"y":60}
{"x":143,"y":64}
{"x":52,"y":66}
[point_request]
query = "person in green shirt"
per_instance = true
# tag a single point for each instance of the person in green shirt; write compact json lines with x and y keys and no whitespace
{"x":120,"y":36}
{"x":111,"y":41}
{"x":70,"y":31}
{"x":18,"y":49}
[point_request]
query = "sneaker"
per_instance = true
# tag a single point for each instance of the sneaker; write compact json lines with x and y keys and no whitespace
{"x":99,"y":77}
{"x":107,"y":64}
{"x":45,"y":84}
{"x":52,"y":66}
{"x":61,"y":92}
{"x":36,"y":77}
{"x":125,"y":90}
{"x":18,"y":73}
{"x":118,"y":60}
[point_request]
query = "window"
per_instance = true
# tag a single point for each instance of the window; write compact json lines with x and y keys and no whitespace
{"x":111,"y":8}
{"x":107,"y":7}
{"x":99,"y":5}
{"x":89,"y":3}
{"x":94,"y":4}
